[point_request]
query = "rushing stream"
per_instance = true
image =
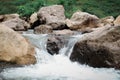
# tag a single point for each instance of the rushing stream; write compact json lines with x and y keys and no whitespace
{"x":57,"y":67}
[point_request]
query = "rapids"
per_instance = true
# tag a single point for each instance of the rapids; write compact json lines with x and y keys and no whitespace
{"x":57,"y":67}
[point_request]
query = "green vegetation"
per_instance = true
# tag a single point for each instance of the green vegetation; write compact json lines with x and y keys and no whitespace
{"x":101,"y":8}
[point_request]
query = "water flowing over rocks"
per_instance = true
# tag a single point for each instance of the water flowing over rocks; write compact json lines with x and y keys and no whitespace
{"x":100,"y":48}
{"x":14,"y":48}
{"x":53,"y":16}
{"x":52,"y":43}
{"x":55,"y":43}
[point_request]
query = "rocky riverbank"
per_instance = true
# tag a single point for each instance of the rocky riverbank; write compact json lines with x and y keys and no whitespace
{"x":98,"y":47}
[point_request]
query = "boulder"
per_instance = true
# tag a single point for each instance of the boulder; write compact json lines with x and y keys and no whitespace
{"x":17,"y":24}
{"x":14,"y":48}
{"x":8,"y":17}
{"x":43,"y":29}
{"x":82,"y":21}
{"x":117,"y":21}
{"x":53,"y":16}
{"x":109,"y":20}
{"x":100,"y":48}
{"x":55,"y":43}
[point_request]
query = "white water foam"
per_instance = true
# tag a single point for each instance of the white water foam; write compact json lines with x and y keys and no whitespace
{"x":58,"y":67}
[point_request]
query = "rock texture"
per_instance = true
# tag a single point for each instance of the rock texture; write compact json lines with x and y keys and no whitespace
{"x":55,"y":43}
{"x":43,"y":29}
{"x":14,"y":48}
{"x":8,"y":17}
{"x":17,"y":24}
{"x":53,"y":16}
{"x":33,"y":18}
{"x":117,"y":21}
{"x":100,"y":48}
{"x":107,"y":21}
{"x":34,"y":21}
{"x":63,"y":32}
{"x":82,"y":21}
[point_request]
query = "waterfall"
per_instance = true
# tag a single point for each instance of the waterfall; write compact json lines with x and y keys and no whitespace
{"x":57,"y":67}
{"x":68,"y":47}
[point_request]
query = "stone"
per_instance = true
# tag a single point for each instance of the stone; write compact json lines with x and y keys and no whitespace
{"x":107,"y":21}
{"x":14,"y":48}
{"x":53,"y":16}
{"x":82,"y":20}
{"x":100,"y":48}
{"x":55,"y":43}
{"x":117,"y":21}
{"x":17,"y":24}
{"x":8,"y":17}
{"x":43,"y":29}
{"x":33,"y":18}
{"x":63,"y":32}
{"x":34,"y":21}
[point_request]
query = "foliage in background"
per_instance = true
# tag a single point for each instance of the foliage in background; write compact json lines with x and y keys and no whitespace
{"x":101,"y":8}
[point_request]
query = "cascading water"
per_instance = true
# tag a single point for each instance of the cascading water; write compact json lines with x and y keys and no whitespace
{"x":57,"y":67}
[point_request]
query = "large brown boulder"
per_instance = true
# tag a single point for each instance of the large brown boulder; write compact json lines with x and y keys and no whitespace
{"x":8,"y":17}
{"x":117,"y":21}
{"x":82,"y":21}
{"x":53,"y":16}
{"x":100,"y":48}
{"x":14,"y":48}
{"x":43,"y":29}
{"x":17,"y":24}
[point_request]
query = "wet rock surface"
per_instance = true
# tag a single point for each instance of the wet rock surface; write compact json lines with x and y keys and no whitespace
{"x":100,"y":48}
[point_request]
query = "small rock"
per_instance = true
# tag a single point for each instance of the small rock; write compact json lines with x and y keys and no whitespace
{"x":117,"y":21}
{"x":107,"y":21}
{"x":43,"y":29}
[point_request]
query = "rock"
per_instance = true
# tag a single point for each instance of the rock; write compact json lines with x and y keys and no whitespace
{"x":107,"y":21}
{"x":82,"y":20}
{"x":100,"y":48}
{"x":63,"y":32}
{"x":14,"y":48}
{"x":55,"y":43}
{"x":117,"y":21}
{"x":33,"y":18}
{"x":43,"y":29}
{"x":8,"y":17}
{"x":1,"y":18}
{"x":53,"y":16}
{"x":17,"y":24}
{"x":34,"y":21}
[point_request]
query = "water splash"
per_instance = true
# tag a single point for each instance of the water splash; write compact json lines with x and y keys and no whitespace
{"x":57,"y":67}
